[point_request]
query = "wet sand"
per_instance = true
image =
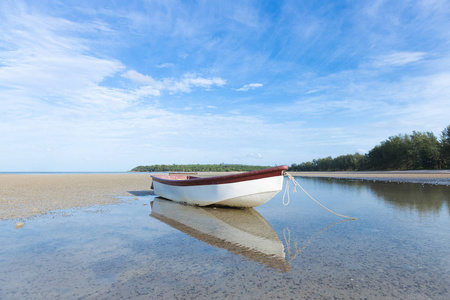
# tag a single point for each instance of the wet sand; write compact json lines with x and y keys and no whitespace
{"x":24,"y":196}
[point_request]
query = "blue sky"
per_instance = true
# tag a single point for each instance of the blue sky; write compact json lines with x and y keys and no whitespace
{"x":109,"y":85}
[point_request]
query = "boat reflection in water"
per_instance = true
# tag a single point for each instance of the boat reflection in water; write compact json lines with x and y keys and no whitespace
{"x":240,"y":231}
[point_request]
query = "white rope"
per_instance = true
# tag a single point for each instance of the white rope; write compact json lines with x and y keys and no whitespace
{"x":286,"y":191}
{"x":291,"y":178}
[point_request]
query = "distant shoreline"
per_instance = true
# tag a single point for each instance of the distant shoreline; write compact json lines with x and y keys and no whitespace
{"x":434,"y":177}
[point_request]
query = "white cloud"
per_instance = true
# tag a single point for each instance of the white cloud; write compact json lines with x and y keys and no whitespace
{"x":186,"y":84}
{"x":45,"y":61}
{"x":139,"y":78}
{"x":370,"y":108}
{"x":399,"y":58}
{"x":323,"y":105}
{"x":165,"y":65}
{"x":250,"y":86}
{"x":190,"y":81}
{"x":54,"y":74}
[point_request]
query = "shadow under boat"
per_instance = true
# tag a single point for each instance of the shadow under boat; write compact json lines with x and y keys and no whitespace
{"x":240,"y":231}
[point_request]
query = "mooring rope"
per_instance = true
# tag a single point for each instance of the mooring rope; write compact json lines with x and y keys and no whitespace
{"x":286,"y":191}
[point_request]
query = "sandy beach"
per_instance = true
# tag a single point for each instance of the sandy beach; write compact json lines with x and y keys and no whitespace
{"x":24,"y":196}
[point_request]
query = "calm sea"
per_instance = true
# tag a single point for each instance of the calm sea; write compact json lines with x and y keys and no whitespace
{"x":150,"y":248}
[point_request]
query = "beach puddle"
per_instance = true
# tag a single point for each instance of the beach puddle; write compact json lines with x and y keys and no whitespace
{"x":146,"y":247}
{"x":240,"y":231}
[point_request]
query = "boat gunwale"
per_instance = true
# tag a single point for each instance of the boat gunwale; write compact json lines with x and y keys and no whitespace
{"x":224,"y":179}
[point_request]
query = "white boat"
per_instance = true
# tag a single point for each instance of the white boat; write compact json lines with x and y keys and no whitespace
{"x":240,"y":231}
{"x":248,"y":189}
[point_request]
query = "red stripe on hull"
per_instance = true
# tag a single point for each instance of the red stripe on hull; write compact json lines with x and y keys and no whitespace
{"x":183,"y":180}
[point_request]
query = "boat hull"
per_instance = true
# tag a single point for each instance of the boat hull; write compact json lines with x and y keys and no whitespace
{"x":241,"y":190}
{"x":250,"y":193}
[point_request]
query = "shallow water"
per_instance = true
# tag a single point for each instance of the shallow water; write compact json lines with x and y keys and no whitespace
{"x":150,"y":248}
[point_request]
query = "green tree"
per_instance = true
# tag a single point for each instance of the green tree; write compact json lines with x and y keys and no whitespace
{"x":445,"y":147}
{"x":375,"y":159}
{"x":425,"y":150}
{"x":344,"y":163}
{"x":395,"y":152}
{"x":360,"y":161}
{"x":324,"y":164}
{"x":416,"y":151}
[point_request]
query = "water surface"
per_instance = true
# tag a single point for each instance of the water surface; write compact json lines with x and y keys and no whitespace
{"x":151,"y":248}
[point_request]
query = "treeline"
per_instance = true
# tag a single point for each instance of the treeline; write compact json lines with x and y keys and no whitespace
{"x":417,"y":151}
{"x":198,"y":168}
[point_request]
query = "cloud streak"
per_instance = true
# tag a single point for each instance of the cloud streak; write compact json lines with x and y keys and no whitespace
{"x":399,"y":59}
{"x":185,"y":85}
{"x":250,"y":86}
